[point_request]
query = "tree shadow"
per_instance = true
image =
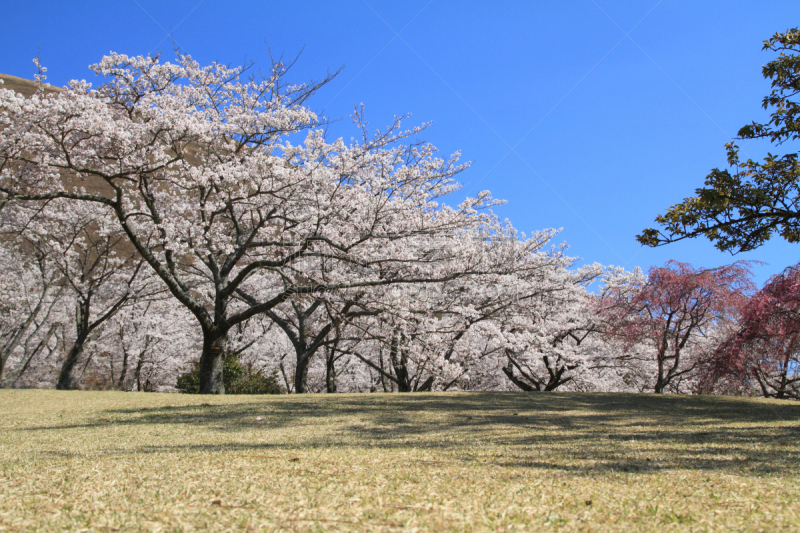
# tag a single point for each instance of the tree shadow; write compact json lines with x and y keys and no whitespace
{"x":577,"y":433}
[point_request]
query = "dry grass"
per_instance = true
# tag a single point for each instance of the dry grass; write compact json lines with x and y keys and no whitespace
{"x":435,"y":462}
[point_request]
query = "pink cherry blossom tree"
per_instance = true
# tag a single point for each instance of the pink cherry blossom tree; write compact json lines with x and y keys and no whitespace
{"x":673,"y":317}
{"x":766,"y":346}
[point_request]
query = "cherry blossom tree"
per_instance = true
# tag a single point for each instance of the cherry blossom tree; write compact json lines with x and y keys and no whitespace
{"x":461,"y":333}
{"x":150,"y":342}
{"x":546,"y":337}
{"x":673,"y":316}
{"x":484,"y":310}
{"x":198,"y":168}
{"x":408,"y":336}
{"x":30,"y":294}
{"x":766,"y":345}
{"x":100,"y":271}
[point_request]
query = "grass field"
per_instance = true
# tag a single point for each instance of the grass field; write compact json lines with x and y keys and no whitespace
{"x":111,"y":461}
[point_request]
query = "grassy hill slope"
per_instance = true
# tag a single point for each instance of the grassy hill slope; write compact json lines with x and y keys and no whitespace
{"x":21,"y":85}
{"x":387,"y":462}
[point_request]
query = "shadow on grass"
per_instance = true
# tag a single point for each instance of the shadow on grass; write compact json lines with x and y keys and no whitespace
{"x":579,"y":432}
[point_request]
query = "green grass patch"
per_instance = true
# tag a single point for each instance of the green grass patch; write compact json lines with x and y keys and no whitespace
{"x":110,"y":461}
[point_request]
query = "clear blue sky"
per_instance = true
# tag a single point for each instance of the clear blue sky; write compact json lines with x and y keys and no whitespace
{"x":591,"y":116}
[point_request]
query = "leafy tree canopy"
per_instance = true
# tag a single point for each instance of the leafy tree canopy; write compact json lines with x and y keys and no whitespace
{"x":740,"y":208}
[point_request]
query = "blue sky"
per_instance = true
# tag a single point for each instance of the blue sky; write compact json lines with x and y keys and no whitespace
{"x":592,"y":116}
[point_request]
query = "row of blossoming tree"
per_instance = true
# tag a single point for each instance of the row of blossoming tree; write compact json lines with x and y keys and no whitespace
{"x":183,"y":214}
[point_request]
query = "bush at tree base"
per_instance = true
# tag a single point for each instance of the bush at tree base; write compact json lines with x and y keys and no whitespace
{"x":237,"y":378}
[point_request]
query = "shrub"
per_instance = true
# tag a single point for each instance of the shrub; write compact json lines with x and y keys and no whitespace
{"x":237,"y":378}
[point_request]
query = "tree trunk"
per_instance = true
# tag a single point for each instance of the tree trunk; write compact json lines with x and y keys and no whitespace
{"x":398,"y":358}
{"x":784,"y":377}
{"x":301,"y":373}
{"x":403,"y":384}
{"x":660,"y":381}
{"x":330,"y":371}
{"x":212,"y":361}
{"x":426,"y":386}
{"x":5,"y":354}
{"x":137,"y":374}
{"x":381,"y":374}
{"x":509,"y":372}
{"x":15,"y":339}
{"x":556,"y":372}
{"x":65,"y":379}
{"x":111,"y":369}
{"x":124,"y":371}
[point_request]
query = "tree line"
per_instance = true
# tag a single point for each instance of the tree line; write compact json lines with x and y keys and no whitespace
{"x":196,"y":222}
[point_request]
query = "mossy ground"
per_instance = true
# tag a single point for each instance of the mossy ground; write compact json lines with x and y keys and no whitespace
{"x":109,"y":461}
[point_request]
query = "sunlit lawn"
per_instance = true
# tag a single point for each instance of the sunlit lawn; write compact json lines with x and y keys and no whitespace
{"x":383,"y":462}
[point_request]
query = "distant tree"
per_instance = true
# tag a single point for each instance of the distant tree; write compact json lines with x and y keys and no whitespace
{"x":740,"y":209}
{"x":87,"y":252}
{"x":674,"y":312}
{"x":453,"y":332}
{"x":546,"y":335}
{"x":30,"y":291}
{"x":766,"y":348}
{"x":151,"y":340}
